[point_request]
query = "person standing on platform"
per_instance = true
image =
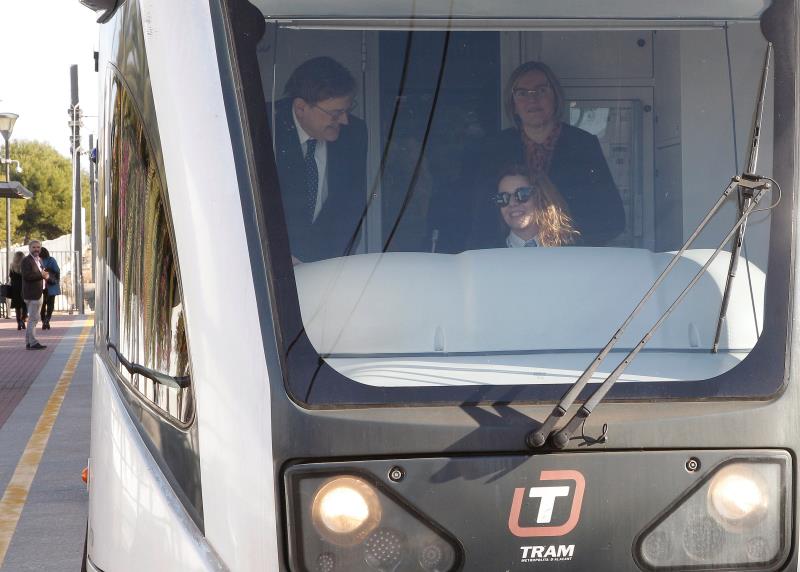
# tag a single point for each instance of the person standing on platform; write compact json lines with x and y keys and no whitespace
{"x":15,"y":277}
{"x":52,"y":287}
{"x":33,"y":279}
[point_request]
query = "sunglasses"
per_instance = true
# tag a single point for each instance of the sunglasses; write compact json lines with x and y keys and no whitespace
{"x":522,"y":194}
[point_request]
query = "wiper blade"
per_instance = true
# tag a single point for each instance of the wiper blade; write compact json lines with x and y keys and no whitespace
{"x":753,"y":189}
{"x":752,"y":160}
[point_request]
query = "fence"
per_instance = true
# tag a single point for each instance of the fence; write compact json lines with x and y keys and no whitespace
{"x":64,"y":258}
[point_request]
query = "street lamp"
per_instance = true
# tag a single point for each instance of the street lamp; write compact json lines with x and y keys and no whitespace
{"x":7,"y":121}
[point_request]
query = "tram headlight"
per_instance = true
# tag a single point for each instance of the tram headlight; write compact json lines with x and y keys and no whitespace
{"x":345,"y":510}
{"x":734,"y":518}
{"x":738,"y":497}
{"x":357,"y":522}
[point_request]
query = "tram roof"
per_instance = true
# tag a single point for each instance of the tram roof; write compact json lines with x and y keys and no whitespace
{"x":545,"y":9}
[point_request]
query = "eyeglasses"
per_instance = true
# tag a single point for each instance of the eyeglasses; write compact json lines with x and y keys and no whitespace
{"x":535,"y":93}
{"x":337,"y":114}
{"x":522,"y":194}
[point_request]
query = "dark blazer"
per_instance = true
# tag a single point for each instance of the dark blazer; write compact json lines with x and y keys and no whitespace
{"x":32,"y":279}
{"x":335,"y":231}
{"x":578,"y":169}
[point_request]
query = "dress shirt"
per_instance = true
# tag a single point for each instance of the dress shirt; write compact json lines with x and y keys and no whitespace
{"x":513,"y":241}
{"x":321,"y":157}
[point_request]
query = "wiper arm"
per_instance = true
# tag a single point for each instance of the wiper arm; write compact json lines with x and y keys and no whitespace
{"x":753,"y":189}
{"x":539,"y":437}
{"x":180,"y":382}
{"x":752,"y":160}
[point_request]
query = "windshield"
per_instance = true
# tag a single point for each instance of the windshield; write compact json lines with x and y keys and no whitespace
{"x":480,"y":204}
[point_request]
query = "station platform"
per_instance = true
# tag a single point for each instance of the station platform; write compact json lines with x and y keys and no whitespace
{"x":45,"y":402}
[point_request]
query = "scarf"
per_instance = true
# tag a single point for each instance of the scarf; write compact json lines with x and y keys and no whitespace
{"x":539,"y":155}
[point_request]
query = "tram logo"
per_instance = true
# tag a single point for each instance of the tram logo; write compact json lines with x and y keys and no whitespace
{"x":548,"y":497}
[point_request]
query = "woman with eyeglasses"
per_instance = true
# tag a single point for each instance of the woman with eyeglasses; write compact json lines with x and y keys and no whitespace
{"x":568,"y":156}
{"x":533,"y":212}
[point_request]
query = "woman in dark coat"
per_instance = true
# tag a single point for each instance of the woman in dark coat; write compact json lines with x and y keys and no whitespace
{"x":15,"y":276}
{"x":570,"y":157}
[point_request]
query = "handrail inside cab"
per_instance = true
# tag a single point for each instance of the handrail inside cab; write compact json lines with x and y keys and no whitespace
{"x":514,"y":9}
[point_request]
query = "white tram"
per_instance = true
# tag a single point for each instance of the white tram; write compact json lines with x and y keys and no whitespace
{"x":318,"y":347}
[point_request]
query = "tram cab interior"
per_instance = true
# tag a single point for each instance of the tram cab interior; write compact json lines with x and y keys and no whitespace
{"x":671,"y":104}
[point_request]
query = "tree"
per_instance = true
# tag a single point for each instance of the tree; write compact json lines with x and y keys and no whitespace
{"x":48,"y":175}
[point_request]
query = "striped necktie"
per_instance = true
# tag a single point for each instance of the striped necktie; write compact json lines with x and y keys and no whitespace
{"x":312,"y":177}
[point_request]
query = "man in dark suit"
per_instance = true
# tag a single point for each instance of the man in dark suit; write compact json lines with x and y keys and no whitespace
{"x":321,"y":151}
{"x":33,"y":279}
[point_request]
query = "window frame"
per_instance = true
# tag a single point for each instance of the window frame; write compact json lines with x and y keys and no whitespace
{"x":111,"y":356}
{"x":761,"y":375}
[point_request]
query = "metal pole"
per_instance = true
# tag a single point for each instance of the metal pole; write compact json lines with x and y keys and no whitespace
{"x":92,"y":201}
{"x":8,"y":212}
{"x":77,"y":230}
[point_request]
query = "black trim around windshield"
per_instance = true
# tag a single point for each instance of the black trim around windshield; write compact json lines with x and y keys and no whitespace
{"x":311,"y":382}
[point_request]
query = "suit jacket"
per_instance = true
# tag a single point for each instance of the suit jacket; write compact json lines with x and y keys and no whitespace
{"x":32,"y":279}
{"x":337,"y":227}
{"x":578,"y":169}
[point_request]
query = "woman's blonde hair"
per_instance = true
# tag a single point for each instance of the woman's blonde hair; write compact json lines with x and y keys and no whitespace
{"x":16,"y":262}
{"x":551,"y":213}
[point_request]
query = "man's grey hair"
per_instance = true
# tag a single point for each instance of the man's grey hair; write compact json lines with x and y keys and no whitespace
{"x":31,"y":243}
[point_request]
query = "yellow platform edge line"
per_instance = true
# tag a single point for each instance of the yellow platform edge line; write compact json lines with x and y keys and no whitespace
{"x":16,"y":493}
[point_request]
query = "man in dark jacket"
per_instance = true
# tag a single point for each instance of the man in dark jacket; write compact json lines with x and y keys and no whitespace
{"x":33,"y":278}
{"x":321,"y":151}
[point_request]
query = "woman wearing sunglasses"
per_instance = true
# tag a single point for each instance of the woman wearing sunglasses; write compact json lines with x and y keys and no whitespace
{"x":568,"y":156}
{"x":534,"y":212}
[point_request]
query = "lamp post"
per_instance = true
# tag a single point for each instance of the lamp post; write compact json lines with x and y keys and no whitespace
{"x":7,"y":121}
{"x":77,"y":226}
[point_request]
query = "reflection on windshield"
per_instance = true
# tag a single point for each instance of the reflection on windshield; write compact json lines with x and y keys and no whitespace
{"x":506,"y":198}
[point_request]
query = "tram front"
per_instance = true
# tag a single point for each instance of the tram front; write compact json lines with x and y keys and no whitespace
{"x":419,"y":356}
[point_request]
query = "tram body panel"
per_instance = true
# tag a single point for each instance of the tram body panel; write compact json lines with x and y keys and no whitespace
{"x":135,"y":520}
{"x":235,"y":435}
{"x":231,"y":382}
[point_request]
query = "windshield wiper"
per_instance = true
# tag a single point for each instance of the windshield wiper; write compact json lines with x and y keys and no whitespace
{"x":180,"y":382}
{"x":744,"y":201}
{"x":752,"y":188}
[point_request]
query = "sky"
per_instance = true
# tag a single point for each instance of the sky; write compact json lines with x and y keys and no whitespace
{"x":40,"y":40}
